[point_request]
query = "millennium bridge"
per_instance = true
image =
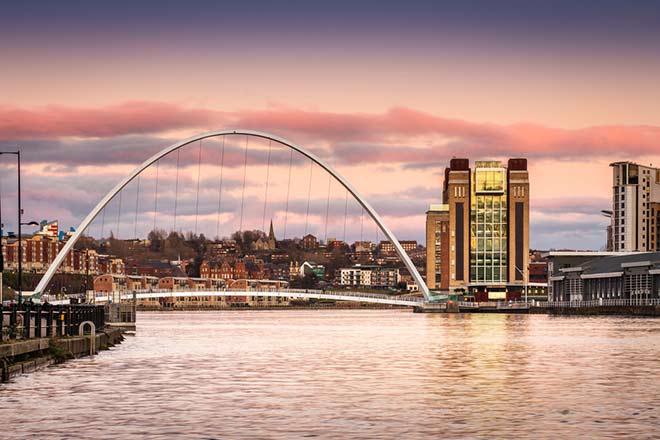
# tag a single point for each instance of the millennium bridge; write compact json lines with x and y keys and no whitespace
{"x":334,"y":295}
{"x":218,"y":147}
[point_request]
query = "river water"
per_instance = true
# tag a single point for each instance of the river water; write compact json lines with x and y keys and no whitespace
{"x":342,"y":374}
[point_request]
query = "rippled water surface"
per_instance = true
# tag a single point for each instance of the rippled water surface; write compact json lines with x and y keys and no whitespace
{"x":351,"y":374}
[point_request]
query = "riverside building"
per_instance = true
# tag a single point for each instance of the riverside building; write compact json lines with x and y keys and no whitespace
{"x":588,"y":276}
{"x":635,"y":208}
{"x":478,"y":238}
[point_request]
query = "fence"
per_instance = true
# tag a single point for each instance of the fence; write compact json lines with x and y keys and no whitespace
{"x":495,"y":305}
{"x":602,"y":303}
{"x":24,"y":321}
{"x":201,"y":291}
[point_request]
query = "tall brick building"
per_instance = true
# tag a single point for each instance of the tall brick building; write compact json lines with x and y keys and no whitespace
{"x":478,"y":239}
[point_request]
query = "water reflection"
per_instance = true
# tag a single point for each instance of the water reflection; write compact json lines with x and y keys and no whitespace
{"x":351,"y":374}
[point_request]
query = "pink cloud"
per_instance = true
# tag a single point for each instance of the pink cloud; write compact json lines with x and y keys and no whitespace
{"x":352,"y":135}
{"x":126,"y":118}
{"x":398,"y":125}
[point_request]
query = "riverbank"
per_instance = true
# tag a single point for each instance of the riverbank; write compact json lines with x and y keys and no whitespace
{"x":26,"y":356}
{"x":646,"y":310}
{"x":627,"y":310}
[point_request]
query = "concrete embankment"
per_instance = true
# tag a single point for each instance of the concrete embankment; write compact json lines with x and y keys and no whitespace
{"x":26,"y":356}
{"x":650,"y":310}
{"x":456,"y":308}
{"x":647,"y":310}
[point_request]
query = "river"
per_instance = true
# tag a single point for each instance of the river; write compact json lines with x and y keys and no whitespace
{"x":339,"y":374}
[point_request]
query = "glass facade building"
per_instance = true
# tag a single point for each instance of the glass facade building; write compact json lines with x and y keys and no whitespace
{"x":485,"y":210}
{"x":488,"y":224}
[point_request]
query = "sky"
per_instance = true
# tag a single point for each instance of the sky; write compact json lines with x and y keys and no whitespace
{"x":387,"y":92}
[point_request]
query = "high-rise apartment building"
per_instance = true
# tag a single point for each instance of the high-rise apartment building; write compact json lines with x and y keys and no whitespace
{"x":478,"y":239}
{"x":635,"y":208}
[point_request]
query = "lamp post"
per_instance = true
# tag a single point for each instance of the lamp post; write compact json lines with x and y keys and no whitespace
{"x":2,"y":260}
{"x":2,"y":257}
{"x":2,"y":266}
{"x":524,"y":282}
{"x":20,"y":254}
{"x":20,"y":223}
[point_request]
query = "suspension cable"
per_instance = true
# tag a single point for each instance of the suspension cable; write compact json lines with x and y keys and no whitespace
{"x":240,"y":227}
{"x":362,"y":225}
{"x":309,"y":193}
{"x":327,"y":209}
{"x":176,"y":187}
{"x":102,"y":223}
{"x":156,"y":195}
{"x":137,"y":205}
{"x":222,"y":167}
{"x":199,"y":167}
{"x":119,"y":214}
{"x":263,"y":220}
{"x":345,"y":214}
{"x":288,"y":191}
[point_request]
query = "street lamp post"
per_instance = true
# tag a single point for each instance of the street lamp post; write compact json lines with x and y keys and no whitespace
{"x":20,"y":253}
{"x":20,"y":223}
{"x":20,"y":245}
{"x":20,"y":248}
{"x":2,"y":258}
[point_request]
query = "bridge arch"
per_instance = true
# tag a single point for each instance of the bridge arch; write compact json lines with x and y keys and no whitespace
{"x":43,"y":283}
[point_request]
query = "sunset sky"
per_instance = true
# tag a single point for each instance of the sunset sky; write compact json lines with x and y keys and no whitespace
{"x":387,"y":92}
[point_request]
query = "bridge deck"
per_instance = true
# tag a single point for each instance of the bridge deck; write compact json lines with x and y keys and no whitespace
{"x":337,"y":295}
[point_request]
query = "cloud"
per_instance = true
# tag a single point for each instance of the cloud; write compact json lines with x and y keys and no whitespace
{"x":127,"y":118}
{"x":353,"y":136}
{"x":399,"y":135}
{"x":74,"y":155}
{"x":571,"y":205}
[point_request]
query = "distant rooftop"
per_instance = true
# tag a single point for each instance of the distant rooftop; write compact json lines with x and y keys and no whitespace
{"x":586,"y":254}
{"x":616,"y":263}
{"x":624,"y":162}
{"x":438,"y":207}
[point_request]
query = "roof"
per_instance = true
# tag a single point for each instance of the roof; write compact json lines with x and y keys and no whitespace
{"x":438,"y":207}
{"x":154,"y":264}
{"x":584,"y":254}
{"x":615,"y":263}
{"x":627,"y":162}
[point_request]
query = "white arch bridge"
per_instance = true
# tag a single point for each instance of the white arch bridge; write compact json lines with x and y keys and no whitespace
{"x":357,"y":296}
{"x":335,"y":295}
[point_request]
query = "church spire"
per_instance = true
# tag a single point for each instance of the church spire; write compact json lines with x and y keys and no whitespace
{"x":271,"y":233}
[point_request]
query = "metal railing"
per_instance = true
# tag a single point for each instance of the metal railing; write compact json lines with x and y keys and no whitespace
{"x":243,"y":291}
{"x":468,"y":305}
{"x":25,"y":321}
{"x":602,"y":303}
{"x":501,"y":305}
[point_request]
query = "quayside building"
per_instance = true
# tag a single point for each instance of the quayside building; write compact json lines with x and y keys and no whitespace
{"x":477,"y":239}
{"x":587,"y":276}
